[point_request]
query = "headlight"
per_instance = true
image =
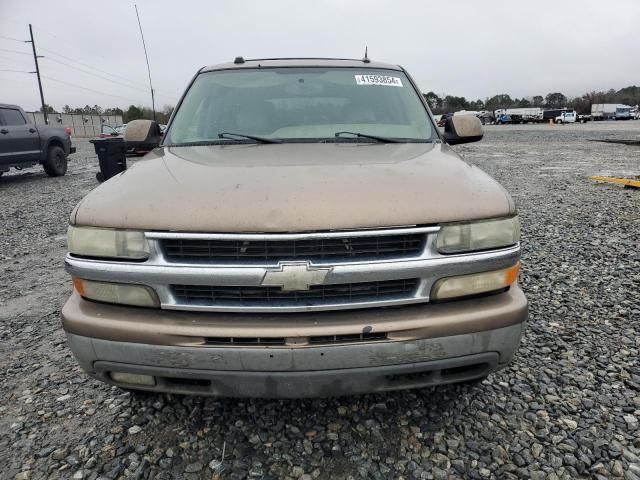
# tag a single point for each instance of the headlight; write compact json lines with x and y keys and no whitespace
{"x":475,"y":283}
{"x":122,"y":293}
{"x":107,"y":243}
{"x":469,"y":237}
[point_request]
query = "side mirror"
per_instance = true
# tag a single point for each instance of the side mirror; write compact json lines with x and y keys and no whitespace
{"x":140,"y":131}
{"x":463,"y":129}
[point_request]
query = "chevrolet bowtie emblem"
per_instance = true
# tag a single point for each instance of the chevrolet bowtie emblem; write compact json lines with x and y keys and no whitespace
{"x":294,"y":276}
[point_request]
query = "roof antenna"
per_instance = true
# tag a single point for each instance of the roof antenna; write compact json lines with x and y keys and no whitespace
{"x":366,"y":58}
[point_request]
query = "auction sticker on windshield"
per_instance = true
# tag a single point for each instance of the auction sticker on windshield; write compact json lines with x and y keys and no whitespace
{"x":378,"y":80}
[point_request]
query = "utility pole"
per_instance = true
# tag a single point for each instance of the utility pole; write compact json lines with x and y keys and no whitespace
{"x":153,"y":101}
{"x":35,"y":58}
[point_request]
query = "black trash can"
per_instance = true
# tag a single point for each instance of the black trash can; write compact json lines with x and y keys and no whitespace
{"x":111,"y":157}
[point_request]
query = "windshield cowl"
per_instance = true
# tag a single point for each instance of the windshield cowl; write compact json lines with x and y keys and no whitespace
{"x":242,"y":141}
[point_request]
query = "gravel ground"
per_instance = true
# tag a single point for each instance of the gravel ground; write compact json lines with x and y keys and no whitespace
{"x":568,"y":407}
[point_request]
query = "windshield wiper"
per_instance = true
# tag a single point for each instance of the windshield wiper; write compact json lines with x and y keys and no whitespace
{"x":364,"y":135}
{"x":232,"y":136}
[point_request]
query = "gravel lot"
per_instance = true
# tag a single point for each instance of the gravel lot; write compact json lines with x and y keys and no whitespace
{"x":567,"y":408}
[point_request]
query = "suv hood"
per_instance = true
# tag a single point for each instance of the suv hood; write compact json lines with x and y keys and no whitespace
{"x":294,"y":188}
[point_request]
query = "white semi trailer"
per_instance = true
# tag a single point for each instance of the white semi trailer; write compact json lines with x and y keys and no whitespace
{"x":610,"y":111}
{"x":519,"y":115}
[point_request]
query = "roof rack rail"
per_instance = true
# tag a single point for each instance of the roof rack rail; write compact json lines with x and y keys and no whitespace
{"x":305,"y":58}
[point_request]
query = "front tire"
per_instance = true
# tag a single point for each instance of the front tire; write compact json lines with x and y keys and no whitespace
{"x":56,"y":163}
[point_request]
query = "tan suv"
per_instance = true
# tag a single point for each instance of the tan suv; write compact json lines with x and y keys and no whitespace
{"x":303,"y":230}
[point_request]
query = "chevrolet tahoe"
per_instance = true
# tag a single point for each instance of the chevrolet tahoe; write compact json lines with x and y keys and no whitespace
{"x":304,"y":229}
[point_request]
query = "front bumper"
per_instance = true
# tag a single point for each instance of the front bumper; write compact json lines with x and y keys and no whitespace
{"x":427,"y":345}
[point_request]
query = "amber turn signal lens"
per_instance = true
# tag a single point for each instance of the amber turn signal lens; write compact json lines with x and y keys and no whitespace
{"x":511,"y":275}
{"x":120,"y":293}
{"x":79,"y":286}
{"x":475,"y":283}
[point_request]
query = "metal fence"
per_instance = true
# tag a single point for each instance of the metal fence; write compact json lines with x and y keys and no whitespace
{"x":81,"y":125}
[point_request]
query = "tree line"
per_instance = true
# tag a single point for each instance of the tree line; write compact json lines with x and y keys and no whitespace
{"x":449,"y":103}
{"x":438,"y":104}
{"x":134,"y":112}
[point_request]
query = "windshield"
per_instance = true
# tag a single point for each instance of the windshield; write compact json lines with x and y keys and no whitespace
{"x":300,"y":104}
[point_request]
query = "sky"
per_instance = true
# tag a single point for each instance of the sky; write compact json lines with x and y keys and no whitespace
{"x":93,"y":53}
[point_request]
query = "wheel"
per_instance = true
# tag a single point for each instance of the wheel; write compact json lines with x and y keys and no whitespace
{"x":56,"y":163}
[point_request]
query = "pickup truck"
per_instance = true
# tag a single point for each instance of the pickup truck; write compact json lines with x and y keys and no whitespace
{"x":567,"y":117}
{"x":23,"y":144}
{"x":304,"y":229}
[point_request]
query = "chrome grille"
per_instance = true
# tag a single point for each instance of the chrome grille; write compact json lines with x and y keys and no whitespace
{"x":247,"y":296}
{"x":365,"y":247}
{"x":205,"y":283}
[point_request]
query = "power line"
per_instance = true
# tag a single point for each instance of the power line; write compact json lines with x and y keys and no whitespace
{"x":13,"y":51}
{"x":91,"y":73}
{"x":11,"y":38}
{"x":85,"y":88}
{"x":12,"y":59}
{"x":15,"y":71}
{"x":94,"y":74}
{"x":133,"y":82}
{"x":130,"y":83}
{"x":14,"y":80}
{"x":87,"y":65}
{"x":67,"y":58}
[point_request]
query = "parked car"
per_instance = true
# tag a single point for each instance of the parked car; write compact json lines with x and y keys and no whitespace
{"x":107,"y":131}
{"x":483,"y":115}
{"x":443,"y":119}
{"x":486,"y":117}
{"x":24,"y":144}
{"x":258,"y":251}
{"x":121,"y":128}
